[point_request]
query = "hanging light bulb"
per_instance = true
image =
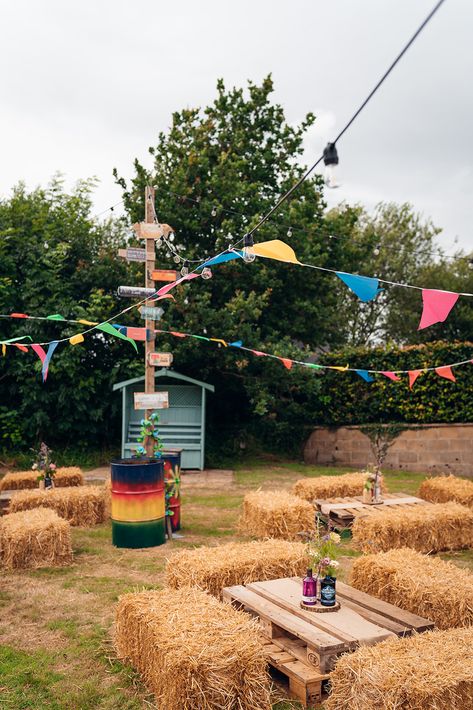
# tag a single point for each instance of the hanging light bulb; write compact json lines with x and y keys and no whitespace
{"x":214,"y":212}
{"x":470,"y":264}
{"x":377,"y":250}
{"x":248,"y":253}
{"x":289,"y":232}
{"x":177,"y":259}
{"x":159,"y":242}
{"x":171,"y":236}
{"x":206,"y":273}
{"x":185,"y":269}
{"x":331,"y":162}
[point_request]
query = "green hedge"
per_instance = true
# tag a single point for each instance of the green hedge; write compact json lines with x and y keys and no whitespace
{"x":345,"y":398}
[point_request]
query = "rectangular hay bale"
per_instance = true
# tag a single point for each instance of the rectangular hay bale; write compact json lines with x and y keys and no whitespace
{"x":213,"y":568}
{"x":425,"y":528}
{"x":320,"y":487}
{"x":81,"y":506}
{"x":21,"y":480}
{"x":193,"y":651}
{"x":35,"y":538}
{"x":430,"y":671}
{"x":442,"y":489}
{"x":425,"y":585}
{"x":276,"y":514}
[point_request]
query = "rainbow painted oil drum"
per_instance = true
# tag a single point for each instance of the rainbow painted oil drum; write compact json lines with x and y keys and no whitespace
{"x":172,"y":474}
{"x":138,"y":503}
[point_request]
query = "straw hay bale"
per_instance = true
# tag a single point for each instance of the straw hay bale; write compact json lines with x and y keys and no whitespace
{"x":430,"y":671}
{"x":194,"y":652}
{"x":426,"y":528}
{"x":66,"y":476}
{"x":446,"y":488}
{"x":276,"y":514}
{"x":36,"y":538}
{"x":427,"y":586}
{"x":84,"y":505}
{"x":320,"y":487}
{"x":213,"y":568}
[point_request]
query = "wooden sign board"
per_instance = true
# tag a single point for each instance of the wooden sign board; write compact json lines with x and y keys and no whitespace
{"x":135,"y":292}
{"x":160,"y":359}
{"x":151,"y":230}
{"x":150,"y":313}
{"x":133,"y":254}
{"x":152,"y":400}
{"x":164,"y":275}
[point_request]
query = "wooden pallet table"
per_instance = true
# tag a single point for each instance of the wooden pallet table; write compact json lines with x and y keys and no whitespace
{"x":342,"y":511}
{"x":304,"y":645}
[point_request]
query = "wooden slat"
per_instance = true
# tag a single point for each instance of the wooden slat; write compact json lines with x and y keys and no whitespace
{"x":378,"y":619}
{"x":293,"y":667}
{"x":345,"y":623}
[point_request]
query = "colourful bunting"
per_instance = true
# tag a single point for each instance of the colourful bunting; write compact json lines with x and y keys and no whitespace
{"x":108,"y":328}
{"x":221,"y":258}
{"x":286,"y":362}
{"x":365,"y":375}
{"x":45,"y":369}
{"x":437,"y":306}
{"x":76,"y":339}
{"x":55,"y":316}
{"x":86,"y":322}
{"x":337,"y":367}
{"x":365,"y":287}
{"x":18,"y":315}
{"x":219,"y":340}
{"x":390,"y":375}
{"x":177,"y":335}
{"x":4,"y":349}
{"x":40,"y":352}
{"x":446,"y":372}
{"x":413,"y":375}
{"x":237,"y":344}
{"x":276,"y":249}
{"x":21,"y":347}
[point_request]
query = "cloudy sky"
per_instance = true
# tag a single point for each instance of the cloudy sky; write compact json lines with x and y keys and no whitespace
{"x":87,"y":86}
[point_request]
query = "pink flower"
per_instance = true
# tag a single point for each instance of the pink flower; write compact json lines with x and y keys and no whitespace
{"x":52,"y":466}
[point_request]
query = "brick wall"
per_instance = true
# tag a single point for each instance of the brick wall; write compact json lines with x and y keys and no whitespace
{"x":431,"y":448}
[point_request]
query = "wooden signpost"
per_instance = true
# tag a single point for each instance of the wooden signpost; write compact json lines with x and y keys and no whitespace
{"x":133,"y":254}
{"x":164,"y":275}
{"x":160,"y":359}
{"x":151,"y":400}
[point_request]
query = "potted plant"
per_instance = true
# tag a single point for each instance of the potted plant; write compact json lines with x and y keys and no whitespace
{"x":323,"y":552}
{"x":45,"y":467}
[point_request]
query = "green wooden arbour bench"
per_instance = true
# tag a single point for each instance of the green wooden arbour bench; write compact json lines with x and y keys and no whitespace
{"x":182,"y":426}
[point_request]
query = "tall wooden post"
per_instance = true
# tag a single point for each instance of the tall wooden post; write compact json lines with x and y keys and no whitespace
{"x":149,"y":324}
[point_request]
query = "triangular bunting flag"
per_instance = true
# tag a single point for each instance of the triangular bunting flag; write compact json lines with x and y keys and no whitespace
{"x":21,"y":347}
{"x":221,"y":258}
{"x":258,"y":352}
{"x":340,"y":369}
{"x":55,"y":316}
{"x":4,"y":349}
{"x":391,"y":375}
{"x":314,"y":366}
{"x":18,"y":315}
{"x":52,"y":347}
{"x":446,"y":372}
{"x":178,"y":335}
{"x":40,"y":352}
{"x":365,"y":287}
{"x":286,"y":362}
{"x":437,"y":306}
{"x":413,"y":375}
{"x":365,"y":375}
{"x":108,"y":328}
{"x":276,"y":249}
{"x":236,"y":343}
{"x":219,"y":340}
{"x":86,"y":322}
{"x":76,"y":339}
{"x":201,"y":337}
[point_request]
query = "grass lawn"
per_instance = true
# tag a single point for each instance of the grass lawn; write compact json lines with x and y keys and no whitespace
{"x":56,"y":624}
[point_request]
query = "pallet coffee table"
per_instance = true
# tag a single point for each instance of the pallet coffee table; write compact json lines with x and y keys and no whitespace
{"x":342,"y":511}
{"x":304,"y":645}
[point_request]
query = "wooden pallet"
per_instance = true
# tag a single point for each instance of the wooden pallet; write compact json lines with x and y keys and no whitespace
{"x":341,"y":512}
{"x":305,"y":646}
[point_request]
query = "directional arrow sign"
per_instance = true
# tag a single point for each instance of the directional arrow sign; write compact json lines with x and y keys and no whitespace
{"x":150,"y":313}
{"x":150,"y":230}
{"x":135,"y":292}
{"x":164,"y":275}
{"x":155,"y":400}
{"x":133,"y":254}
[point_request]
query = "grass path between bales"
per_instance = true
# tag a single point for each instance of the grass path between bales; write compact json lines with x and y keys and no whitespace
{"x":56,"y":625}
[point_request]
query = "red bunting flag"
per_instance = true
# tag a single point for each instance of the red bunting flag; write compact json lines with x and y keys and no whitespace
{"x":413,"y":375}
{"x":391,"y":375}
{"x":437,"y":306}
{"x":18,"y":315}
{"x":446,"y":372}
{"x":286,"y":362}
{"x":21,"y":347}
{"x":40,"y":352}
{"x":178,"y":335}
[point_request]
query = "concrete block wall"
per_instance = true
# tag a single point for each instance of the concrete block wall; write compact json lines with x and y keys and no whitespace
{"x":429,"y":448}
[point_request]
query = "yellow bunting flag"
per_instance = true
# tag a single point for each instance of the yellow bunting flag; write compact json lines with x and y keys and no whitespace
{"x":219,"y":340}
{"x":76,"y":339}
{"x":4,"y":349}
{"x":276,"y":249}
{"x":86,"y":322}
{"x":341,"y":369}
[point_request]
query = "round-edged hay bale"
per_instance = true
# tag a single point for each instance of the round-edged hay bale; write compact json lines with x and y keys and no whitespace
{"x":26,"y":480}
{"x":320,"y":487}
{"x":425,"y":585}
{"x":430,"y":671}
{"x":447,"y":488}
{"x":194,"y":652}
{"x":34,"y":538}
{"x":425,"y":528}
{"x":81,"y":506}
{"x":276,"y":514}
{"x":213,"y":568}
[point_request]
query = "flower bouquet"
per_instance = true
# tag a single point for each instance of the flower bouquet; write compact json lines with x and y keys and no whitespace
{"x":45,"y":467}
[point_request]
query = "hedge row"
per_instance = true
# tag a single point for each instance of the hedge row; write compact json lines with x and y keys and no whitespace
{"x":345,"y":398}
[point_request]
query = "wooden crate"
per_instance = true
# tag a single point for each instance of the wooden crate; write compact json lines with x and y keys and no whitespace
{"x":305,"y":645}
{"x":341,"y":512}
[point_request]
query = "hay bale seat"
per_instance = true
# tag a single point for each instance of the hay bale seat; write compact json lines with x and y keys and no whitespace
{"x":66,"y":476}
{"x":276,"y":514}
{"x":446,"y":488}
{"x":427,"y":586}
{"x":213,"y":568}
{"x":320,"y":487}
{"x":194,"y":652}
{"x":81,"y":506}
{"x":35,"y":538}
{"x":426,"y":528}
{"x":431,"y":671}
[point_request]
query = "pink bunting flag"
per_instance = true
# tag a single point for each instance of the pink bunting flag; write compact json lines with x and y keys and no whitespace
{"x":168,"y":287}
{"x":40,"y":352}
{"x":413,"y":375}
{"x":446,"y":372}
{"x":258,"y":352}
{"x":178,"y":335}
{"x":286,"y":362}
{"x":391,"y":375}
{"x":437,"y":306}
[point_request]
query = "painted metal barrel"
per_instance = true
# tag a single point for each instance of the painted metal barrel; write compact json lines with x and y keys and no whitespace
{"x":138,"y":503}
{"x":172,"y":475}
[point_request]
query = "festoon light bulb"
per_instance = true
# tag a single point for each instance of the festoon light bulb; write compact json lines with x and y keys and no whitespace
{"x":177,"y":259}
{"x":248,"y":253}
{"x":377,"y":250}
{"x":206,"y":273}
{"x":185,"y":269}
{"x":331,"y":163}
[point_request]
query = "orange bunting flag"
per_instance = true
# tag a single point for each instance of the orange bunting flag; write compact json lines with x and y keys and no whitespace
{"x":21,"y":347}
{"x":276,"y":249}
{"x":178,"y":335}
{"x":286,"y":362}
{"x":446,"y":372}
{"x":413,"y":375}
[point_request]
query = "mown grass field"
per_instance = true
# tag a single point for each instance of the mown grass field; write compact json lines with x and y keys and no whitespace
{"x":56,"y":625}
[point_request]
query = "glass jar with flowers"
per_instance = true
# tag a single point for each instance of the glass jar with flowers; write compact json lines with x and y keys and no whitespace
{"x":45,"y":467}
{"x":323,"y":552}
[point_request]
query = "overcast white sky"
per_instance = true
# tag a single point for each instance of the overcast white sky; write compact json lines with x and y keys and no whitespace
{"x":87,"y":86}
